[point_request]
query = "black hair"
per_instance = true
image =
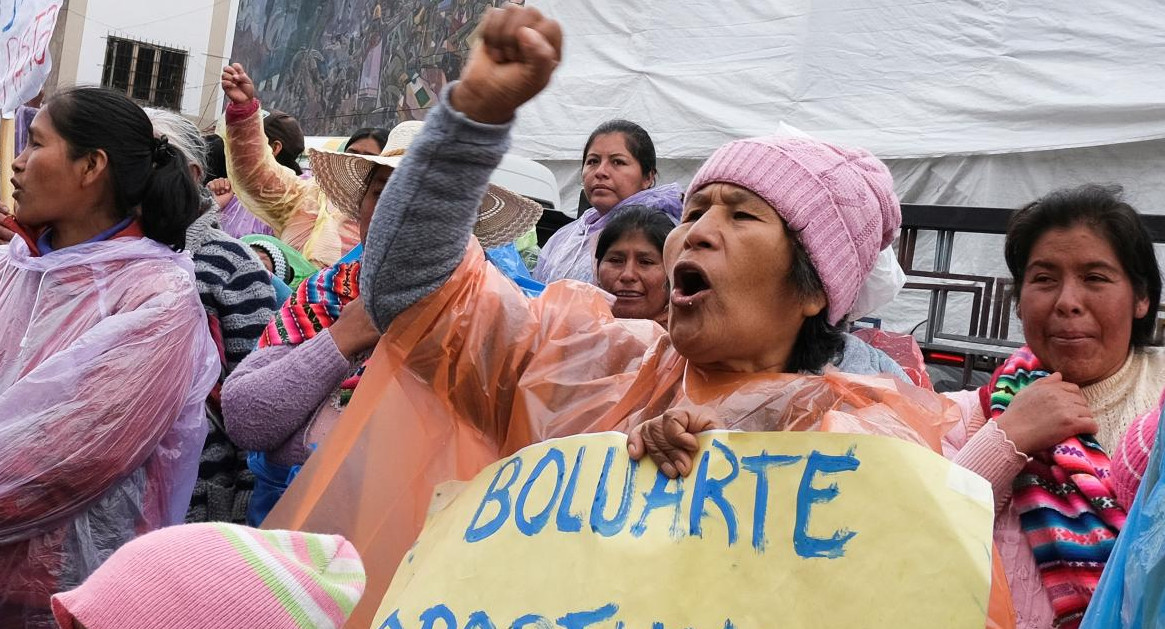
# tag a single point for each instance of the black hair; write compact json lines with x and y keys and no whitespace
{"x":146,"y":173}
{"x":637,"y":139}
{"x":216,"y":159}
{"x":285,"y":128}
{"x":1104,"y":210}
{"x":654,"y":224}
{"x":818,"y":341}
{"x":379,"y":134}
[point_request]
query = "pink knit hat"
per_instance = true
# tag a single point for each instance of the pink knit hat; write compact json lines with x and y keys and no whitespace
{"x":219,"y":575}
{"x":839,"y":201}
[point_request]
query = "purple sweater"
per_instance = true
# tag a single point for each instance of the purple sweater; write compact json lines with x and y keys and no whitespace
{"x":269,"y":400}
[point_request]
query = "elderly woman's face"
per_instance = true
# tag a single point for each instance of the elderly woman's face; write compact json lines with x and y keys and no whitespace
{"x":1078,"y":305}
{"x":734,"y":305}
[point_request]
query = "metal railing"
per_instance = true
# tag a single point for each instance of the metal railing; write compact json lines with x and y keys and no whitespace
{"x":986,"y":342}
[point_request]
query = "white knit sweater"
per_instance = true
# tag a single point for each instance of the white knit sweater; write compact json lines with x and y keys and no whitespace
{"x":1117,"y":400}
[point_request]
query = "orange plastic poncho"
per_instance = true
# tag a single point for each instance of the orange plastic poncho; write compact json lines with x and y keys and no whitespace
{"x":476,"y":371}
{"x":296,"y":208}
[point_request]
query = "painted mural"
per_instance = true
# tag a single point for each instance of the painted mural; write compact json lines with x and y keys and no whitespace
{"x":338,"y":65}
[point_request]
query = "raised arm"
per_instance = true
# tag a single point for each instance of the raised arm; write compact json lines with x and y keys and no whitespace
{"x":272,"y":192}
{"x":426,"y":214}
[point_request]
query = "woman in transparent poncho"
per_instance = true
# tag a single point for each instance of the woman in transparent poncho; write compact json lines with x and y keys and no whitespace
{"x":105,"y":355}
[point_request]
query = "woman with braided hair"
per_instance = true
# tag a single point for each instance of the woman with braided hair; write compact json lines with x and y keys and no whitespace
{"x":105,"y":355}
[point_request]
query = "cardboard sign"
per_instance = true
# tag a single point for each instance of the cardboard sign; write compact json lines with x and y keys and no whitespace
{"x":793,"y":529}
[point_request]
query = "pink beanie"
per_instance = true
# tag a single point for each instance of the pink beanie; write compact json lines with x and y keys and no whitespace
{"x":219,"y":575}
{"x":839,"y":201}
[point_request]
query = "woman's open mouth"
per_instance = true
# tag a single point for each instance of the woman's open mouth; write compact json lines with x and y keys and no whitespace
{"x":690,"y":284}
{"x":628,"y":294}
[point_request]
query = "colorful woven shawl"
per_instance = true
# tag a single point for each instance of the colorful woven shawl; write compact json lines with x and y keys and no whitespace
{"x":1065,"y":499}
{"x":314,"y":306}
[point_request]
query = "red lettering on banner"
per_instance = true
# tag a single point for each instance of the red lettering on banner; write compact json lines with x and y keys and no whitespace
{"x":26,"y":51}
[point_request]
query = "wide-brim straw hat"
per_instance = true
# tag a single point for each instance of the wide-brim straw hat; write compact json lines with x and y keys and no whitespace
{"x":504,"y":215}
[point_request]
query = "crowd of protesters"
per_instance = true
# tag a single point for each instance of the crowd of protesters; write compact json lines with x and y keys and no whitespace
{"x":183,"y":319}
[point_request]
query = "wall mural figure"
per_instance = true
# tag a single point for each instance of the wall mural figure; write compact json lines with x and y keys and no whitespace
{"x":337,"y":65}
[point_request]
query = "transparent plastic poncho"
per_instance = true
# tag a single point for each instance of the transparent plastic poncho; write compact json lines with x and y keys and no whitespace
{"x":105,"y":364}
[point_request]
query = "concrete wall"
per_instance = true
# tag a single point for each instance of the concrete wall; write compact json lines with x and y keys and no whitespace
{"x":204,"y":30}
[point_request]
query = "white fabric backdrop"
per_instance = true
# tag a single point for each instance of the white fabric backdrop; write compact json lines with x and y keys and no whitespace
{"x":988,"y":103}
{"x":981,"y":180}
{"x":917,"y":79}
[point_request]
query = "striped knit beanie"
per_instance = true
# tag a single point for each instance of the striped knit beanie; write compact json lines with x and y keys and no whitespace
{"x":281,"y":268}
{"x":219,"y":575}
{"x":839,"y":202}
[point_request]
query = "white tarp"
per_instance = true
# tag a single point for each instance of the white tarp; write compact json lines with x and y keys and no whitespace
{"x":913,"y":79}
{"x":982,"y":103}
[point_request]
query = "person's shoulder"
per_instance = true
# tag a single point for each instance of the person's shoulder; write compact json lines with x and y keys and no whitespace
{"x":574,"y":307}
{"x":167,"y":282}
{"x":224,"y":251}
{"x":861,"y":358}
{"x":1152,"y":367}
{"x":967,"y":399}
{"x":576,"y":290}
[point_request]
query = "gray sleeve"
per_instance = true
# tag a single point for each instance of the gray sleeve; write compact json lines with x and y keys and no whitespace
{"x":890,"y":366}
{"x":426,"y":213}
{"x":861,"y":358}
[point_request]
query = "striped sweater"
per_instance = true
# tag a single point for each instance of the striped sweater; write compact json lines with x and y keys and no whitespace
{"x":239,"y":300}
{"x":234,"y":286}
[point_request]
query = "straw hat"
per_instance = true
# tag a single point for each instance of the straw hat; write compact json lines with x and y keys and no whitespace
{"x":503,"y":216}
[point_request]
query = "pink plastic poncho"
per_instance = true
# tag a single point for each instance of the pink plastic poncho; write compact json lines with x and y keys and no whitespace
{"x":105,"y":364}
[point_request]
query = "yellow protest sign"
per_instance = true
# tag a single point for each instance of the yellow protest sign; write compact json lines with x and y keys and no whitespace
{"x":789,"y":529}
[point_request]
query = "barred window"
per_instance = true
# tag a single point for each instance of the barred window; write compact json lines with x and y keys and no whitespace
{"x":148,"y":73}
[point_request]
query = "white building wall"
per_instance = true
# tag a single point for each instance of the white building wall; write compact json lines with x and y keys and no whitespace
{"x":182,"y":24}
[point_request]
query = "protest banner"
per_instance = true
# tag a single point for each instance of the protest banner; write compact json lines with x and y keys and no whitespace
{"x":26,"y":27}
{"x":790,"y":529}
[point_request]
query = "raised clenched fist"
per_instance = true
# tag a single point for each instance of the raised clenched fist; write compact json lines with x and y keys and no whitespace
{"x":516,"y":52}
{"x":237,"y":85}
{"x":670,"y":440}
